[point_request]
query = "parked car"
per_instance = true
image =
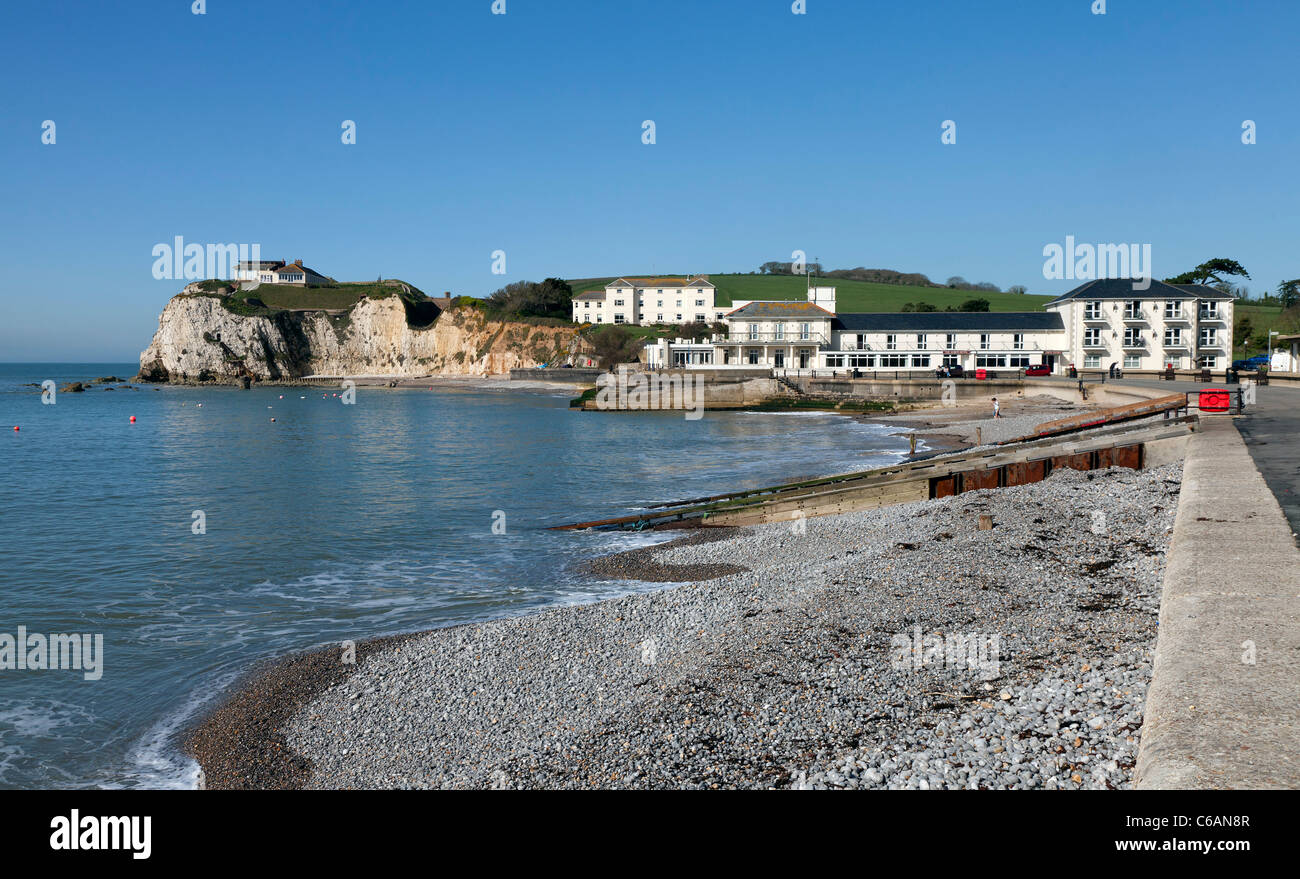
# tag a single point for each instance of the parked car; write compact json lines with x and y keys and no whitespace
{"x":1039,"y":369}
{"x":954,"y":371}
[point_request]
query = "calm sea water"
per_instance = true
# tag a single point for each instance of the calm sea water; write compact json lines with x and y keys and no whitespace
{"x":335,"y":522}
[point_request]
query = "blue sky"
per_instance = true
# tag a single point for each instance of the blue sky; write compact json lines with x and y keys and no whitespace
{"x":522,"y":132}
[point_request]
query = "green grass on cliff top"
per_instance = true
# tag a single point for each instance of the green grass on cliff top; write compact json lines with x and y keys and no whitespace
{"x":269,"y":298}
{"x":850,"y":296}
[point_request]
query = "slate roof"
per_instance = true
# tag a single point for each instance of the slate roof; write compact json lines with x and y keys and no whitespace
{"x":697,"y":281}
{"x":591,"y":294}
{"x":780,"y":309}
{"x":950,"y":322}
{"x":1122,"y":288}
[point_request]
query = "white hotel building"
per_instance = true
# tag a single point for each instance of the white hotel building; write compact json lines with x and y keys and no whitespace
{"x":648,"y":301}
{"x":1099,"y":324}
{"x":1109,"y":322}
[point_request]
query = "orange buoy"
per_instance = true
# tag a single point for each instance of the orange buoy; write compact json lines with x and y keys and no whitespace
{"x":133,"y":419}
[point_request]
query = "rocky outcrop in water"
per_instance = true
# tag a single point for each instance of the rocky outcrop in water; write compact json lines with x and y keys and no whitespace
{"x":200,"y":339}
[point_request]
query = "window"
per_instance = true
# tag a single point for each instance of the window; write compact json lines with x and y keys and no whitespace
{"x":1209,"y":337}
{"x":1132,"y":309}
{"x":753,"y":332}
{"x":659,"y":304}
{"x":699,"y":318}
{"x":1092,"y":311}
{"x":780,"y":331}
{"x":990,"y":360}
{"x":863,"y":361}
{"x":1018,"y":341}
{"x":805,"y":331}
{"x":679,"y":318}
{"x":1092,"y":338}
{"x":893,"y":360}
{"x":659,"y":318}
{"x":1133,"y":338}
{"x":950,"y":342}
{"x":1092,"y":361}
{"x":1173,"y":309}
{"x":984,"y":341}
{"x":834,"y":361}
{"x":618,"y":319}
{"x":600,"y":318}
{"x":1132,"y":361}
{"x":752,"y":355}
{"x":891,"y":342}
{"x":1207,"y":361}
{"x":862,"y":341}
{"x":1018,"y":361}
{"x":1209,"y":310}
{"x":1174,"y":338}
{"x":920,"y":360}
{"x":679,"y":303}
{"x":586,"y":305}
{"x":699,"y":303}
{"x":920,"y":343}
{"x":618,"y":301}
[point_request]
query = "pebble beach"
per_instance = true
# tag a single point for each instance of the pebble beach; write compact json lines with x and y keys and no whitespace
{"x":795,"y":655}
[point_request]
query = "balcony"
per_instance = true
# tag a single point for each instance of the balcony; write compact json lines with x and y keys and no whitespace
{"x":1214,"y":317}
{"x":1135,"y":317}
{"x":1136,"y":343}
{"x":1097,"y":344}
{"x":1095,"y":317}
{"x":1213,"y":344}
{"x":1178,"y":317}
{"x":1182,"y":343}
{"x":791,"y":338}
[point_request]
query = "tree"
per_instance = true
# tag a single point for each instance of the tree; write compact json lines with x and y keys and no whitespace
{"x":1288,"y":293}
{"x":1018,"y":289}
{"x":957,"y":282}
{"x":550,"y":298}
{"x":974,"y":305}
{"x":1217,"y":270}
{"x":613,"y":345}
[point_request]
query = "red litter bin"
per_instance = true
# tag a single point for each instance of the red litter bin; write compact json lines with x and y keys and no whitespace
{"x":1214,"y":400}
{"x":981,"y":374}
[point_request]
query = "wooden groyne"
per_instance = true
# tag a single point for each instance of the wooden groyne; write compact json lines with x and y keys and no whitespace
{"x":1124,"y":445}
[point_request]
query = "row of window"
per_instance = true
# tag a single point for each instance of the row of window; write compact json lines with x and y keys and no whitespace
{"x":1134,"y":361}
{"x":1173,"y":310}
{"x":639,"y":290}
{"x":619,"y":303}
{"x":1133,"y":338}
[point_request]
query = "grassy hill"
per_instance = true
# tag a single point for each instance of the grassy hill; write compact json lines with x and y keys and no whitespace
{"x":850,"y":295}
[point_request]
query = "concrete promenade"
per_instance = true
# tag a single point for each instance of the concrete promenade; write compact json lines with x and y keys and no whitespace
{"x":1223,"y":709}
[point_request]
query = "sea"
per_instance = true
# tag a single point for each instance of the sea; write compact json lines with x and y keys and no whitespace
{"x":193,"y":532}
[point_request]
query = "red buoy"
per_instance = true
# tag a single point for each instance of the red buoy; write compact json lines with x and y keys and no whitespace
{"x":15,"y":427}
{"x":133,"y":419}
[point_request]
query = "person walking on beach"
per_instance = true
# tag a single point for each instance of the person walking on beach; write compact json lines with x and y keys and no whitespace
{"x":997,"y":413}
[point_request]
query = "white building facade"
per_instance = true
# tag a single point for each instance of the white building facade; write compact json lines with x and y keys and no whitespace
{"x":810,"y":336}
{"x":1110,"y":322}
{"x":649,"y":301}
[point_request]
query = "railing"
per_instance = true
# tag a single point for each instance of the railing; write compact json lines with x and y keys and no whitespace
{"x":795,"y":338}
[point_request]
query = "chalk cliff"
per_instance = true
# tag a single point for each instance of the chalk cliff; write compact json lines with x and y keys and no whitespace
{"x":200,"y":339}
